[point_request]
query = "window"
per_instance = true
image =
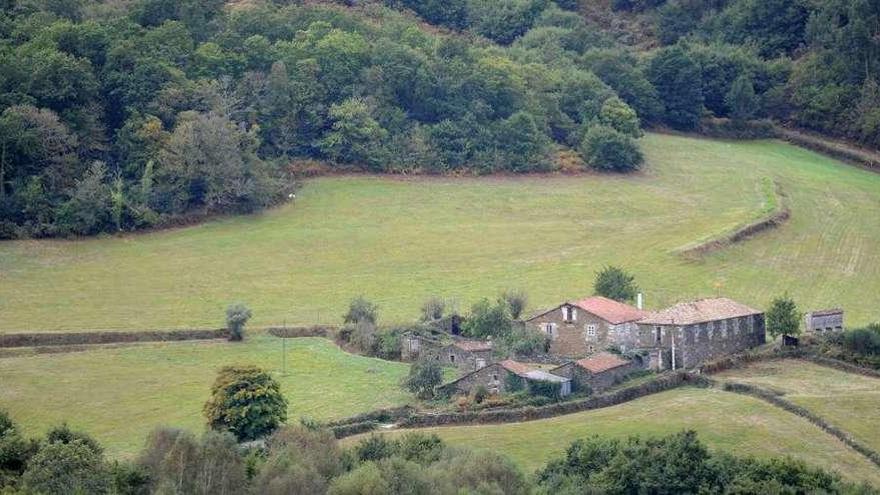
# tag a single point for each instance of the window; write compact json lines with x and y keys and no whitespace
{"x":452,"y":358}
{"x":495,"y":377}
{"x":568,"y":314}
{"x":590,"y":349}
{"x":550,"y":329}
{"x":481,"y":363}
{"x":591,"y":330}
{"x":658,"y":334}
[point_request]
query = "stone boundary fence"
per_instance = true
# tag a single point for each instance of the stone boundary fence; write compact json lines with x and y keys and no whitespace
{"x":363,"y":423}
{"x":775,"y":399}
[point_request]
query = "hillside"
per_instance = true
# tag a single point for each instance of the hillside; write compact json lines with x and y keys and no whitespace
{"x":399,"y":241}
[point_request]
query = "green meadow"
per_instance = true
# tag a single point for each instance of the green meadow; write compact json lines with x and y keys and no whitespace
{"x":398,"y":240}
{"x":724,"y":421}
{"x":119,"y":394}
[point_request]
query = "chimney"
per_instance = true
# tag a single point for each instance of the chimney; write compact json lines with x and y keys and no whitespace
{"x":639,"y":298}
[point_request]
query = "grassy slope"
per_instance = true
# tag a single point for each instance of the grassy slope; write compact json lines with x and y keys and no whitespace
{"x":738,"y":424}
{"x":120,"y":394}
{"x":400,"y":240}
{"x":849,"y":401}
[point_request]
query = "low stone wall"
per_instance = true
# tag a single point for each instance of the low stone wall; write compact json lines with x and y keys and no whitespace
{"x":661,"y":384}
{"x":82,"y":338}
{"x":842,"y":151}
{"x":327,"y":331}
{"x":776,"y":400}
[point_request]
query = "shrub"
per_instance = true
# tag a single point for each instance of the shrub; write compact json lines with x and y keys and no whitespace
{"x":513,"y":383}
{"x":129,"y":479}
{"x":237,"y":316}
{"x":66,"y":468}
{"x":604,"y":148}
{"x":551,"y":390}
{"x":783,"y":317}
{"x":15,"y":451}
{"x":615,"y":283}
{"x":487,"y":320}
{"x":480,"y":394}
{"x":420,"y":447}
{"x":361,"y":310}
{"x":247,"y":402}
{"x":363,"y":336}
{"x":516,"y":302}
{"x":374,"y":448}
{"x":424,"y":375}
{"x":63,"y":434}
{"x":387,"y":344}
{"x":300,"y":460}
{"x":864,"y":341}
{"x":433,"y":309}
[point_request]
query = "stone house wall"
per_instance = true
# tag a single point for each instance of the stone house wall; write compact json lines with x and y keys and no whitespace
{"x":413,"y":347}
{"x":824,"y":323}
{"x":494,"y":377}
{"x":574,"y":338}
{"x":597,"y":381}
{"x":695,"y":344}
{"x":467,"y":361}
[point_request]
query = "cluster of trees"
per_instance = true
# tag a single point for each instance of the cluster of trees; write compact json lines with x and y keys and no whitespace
{"x":813,"y":63}
{"x":117,"y":119}
{"x":308,"y":459}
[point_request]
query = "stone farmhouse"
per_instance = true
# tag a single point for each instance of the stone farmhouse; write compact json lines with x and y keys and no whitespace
{"x":582,"y":327}
{"x":690,"y":333}
{"x":466,"y":355}
{"x":503,"y":377}
{"x":824,"y":321}
{"x":597,"y":372}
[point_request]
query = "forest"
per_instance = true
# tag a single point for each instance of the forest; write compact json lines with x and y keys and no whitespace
{"x":123,"y":115}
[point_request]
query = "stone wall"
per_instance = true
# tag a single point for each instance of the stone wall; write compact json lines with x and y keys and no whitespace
{"x":597,"y":381}
{"x":824,"y":323}
{"x":494,"y":377}
{"x":696,"y":344}
{"x":466,"y":361}
{"x":571,"y":338}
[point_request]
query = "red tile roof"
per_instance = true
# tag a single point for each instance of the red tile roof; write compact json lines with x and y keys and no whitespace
{"x":610,"y":310}
{"x":515,"y":367}
{"x":699,"y":311}
{"x":473,"y":345}
{"x":600,"y":362}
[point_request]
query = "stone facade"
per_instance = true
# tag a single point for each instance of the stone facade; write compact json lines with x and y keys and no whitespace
{"x":697,"y":343}
{"x":494,"y":377}
{"x":413,"y":347}
{"x":576,"y":331}
{"x":464,"y":358}
{"x":597,"y":381}
{"x":824,"y":321}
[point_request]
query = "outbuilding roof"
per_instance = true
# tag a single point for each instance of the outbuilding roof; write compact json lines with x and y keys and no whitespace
{"x":602,"y":361}
{"x":516,"y":367}
{"x":545,"y":376}
{"x":699,"y":311}
{"x":826,"y":312}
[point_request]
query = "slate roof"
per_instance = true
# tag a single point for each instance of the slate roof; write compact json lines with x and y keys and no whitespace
{"x":473,"y":345}
{"x":699,"y":311}
{"x":602,"y":361}
{"x":827,"y":312}
{"x":610,"y":310}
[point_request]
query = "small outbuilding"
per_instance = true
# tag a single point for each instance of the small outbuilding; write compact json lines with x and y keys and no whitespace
{"x":598,"y":372}
{"x":503,"y":377}
{"x":466,"y":355}
{"x":824,"y":321}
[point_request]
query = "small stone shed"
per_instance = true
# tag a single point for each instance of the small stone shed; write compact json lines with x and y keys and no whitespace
{"x":824,"y":321}
{"x":498,"y":378}
{"x":599,"y":371}
{"x":414,"y":346}
{"x":466,"y":355}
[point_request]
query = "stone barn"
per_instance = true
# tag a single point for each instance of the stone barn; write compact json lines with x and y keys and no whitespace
{"x":579,"y":328}
{"x":824,"y":321}
{"x":501,"y":377}
{"x":414,"y":346}
{"x":598,"y":372}
{"x":690,"y":333}
{"x":466,"y":355}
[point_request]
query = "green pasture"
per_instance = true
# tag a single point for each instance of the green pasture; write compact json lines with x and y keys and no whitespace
{"x":120,"y":394}
{"x":846,"y":400}
{"x":724,"y":421}
{"x":398,"y":240}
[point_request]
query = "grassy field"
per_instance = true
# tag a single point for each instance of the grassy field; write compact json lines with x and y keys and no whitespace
{"x":120,"y":394}
{"x":847,"y":400}
{"x":724,"y":421}
{"x":399,"y":240}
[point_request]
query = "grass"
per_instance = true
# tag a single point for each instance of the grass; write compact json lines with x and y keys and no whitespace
{"x":724,"y":421}
{"x":400,"y":240}
{"x":120,"y":394}
{"x":848,"y":401}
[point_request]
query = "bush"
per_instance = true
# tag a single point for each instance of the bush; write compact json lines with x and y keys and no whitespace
{"x":247,"y":402}
{"x":63,"y":434}
{"x":615,"y":283}
{"x":374,"y":448}
{"x":488,"y":320}
{"x":433,"y":309}
{"x":480,"y":394}
{"x":540,"y":388}
{"x":424,"y":375}
{"x":361,"y":310}
{"x":516,"y":302}
{"x":783,"y":317}
{"x":237,"y":316}
{"x":607,"y":149}
{"x":864,"y":341}
{"x":387,"y":344}
{"x":66,"y":468}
